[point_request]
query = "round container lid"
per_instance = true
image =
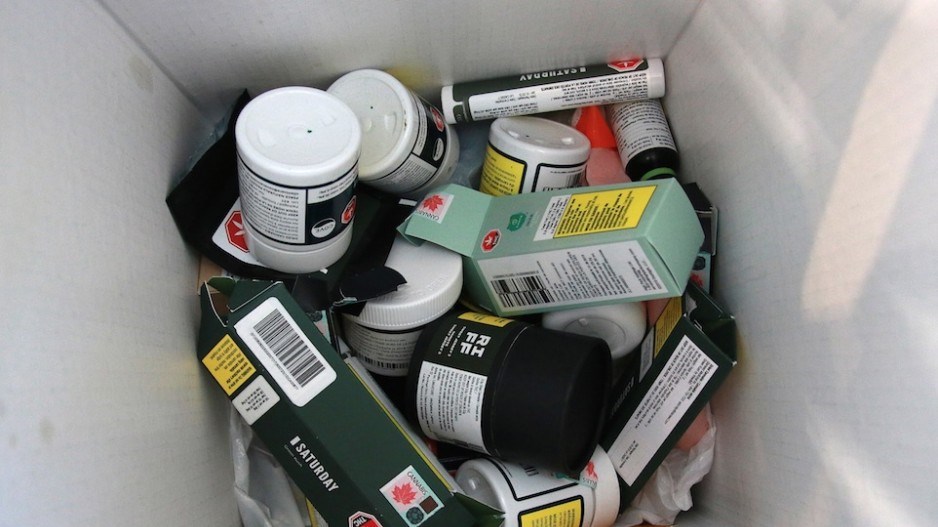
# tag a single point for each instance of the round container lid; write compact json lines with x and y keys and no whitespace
{"x":387,"y":113}
{"x":543,"y":139}
{"x":550,"y":399}
{"x":298,"y":132}
{"x":621,"y":325}
{"x":480,"y":480}
{"x":434,"y":281}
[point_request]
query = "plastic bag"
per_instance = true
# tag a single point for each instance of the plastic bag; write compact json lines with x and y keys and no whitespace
{"x":266,"y":497}
{"x":668,"y":491}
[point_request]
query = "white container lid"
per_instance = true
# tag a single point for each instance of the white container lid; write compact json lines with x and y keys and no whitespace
{"x":298,"y":133}
{"x":541,"y":139}
{"x":434,"y":281}
{"x":387,"y":113}
{"x":622,"y":325}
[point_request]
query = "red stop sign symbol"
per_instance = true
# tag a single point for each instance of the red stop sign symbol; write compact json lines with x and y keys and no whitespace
{"x":234,"y":228}
{"x":625,"y":65}
{"x":490,"y":240}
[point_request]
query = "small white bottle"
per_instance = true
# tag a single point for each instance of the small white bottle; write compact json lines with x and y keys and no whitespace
{"x":298,"y":151}
{"x":531,"y":154}
{"x":530,"y":496}
{"x":383,"y":335}
{"x":407,"y":146}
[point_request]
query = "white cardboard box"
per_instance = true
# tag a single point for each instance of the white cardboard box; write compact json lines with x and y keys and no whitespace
{"x":811,"y":125}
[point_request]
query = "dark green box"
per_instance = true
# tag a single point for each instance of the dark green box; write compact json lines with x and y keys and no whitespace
{"x":339,"y":442}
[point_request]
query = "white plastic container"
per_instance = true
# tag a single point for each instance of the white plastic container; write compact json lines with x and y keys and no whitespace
{"x":298,"y":151}
{"x":530,"y":496}
{"x":383,"y":335}
{"x":407,"y":147}
{"x":621,"y":325}
{"x":531,"y":154}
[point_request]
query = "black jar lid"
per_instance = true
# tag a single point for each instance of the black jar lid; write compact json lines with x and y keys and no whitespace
{"x":549,"y":400}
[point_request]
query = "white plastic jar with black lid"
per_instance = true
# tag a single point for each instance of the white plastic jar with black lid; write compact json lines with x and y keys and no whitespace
{"x":298,"y":151}
{"x":383,"y":335}
{"x":407,"y":147}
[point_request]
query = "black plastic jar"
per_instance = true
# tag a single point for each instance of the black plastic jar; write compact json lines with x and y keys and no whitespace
{"x":510,"y":389}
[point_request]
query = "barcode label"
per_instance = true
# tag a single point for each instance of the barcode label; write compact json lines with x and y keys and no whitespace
{"x":288,"y":355}
{"x":522,"y":291}
{"x":298,"y":358}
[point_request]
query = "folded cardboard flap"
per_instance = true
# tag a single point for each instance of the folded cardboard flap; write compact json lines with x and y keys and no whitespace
{"x":333,"y":435}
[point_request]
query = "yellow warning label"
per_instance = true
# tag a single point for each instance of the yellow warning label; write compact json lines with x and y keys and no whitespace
{"x":228,"y":365}
{"x":669,"y":318}
{"x":501,"y":175}
{"x":609,"y":210}
{"x":486,"y":319}
{"x":564,"y":514}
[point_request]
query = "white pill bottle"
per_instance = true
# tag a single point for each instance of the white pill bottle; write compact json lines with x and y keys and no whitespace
{"x":298,"y":151}
{"x":530,"y":496}
{"x":407,"y":146}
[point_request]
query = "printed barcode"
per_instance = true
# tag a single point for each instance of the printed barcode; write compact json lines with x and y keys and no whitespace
{"x":522,"y":291}
{"x":296,"y":356}
{"x":384,"y":364}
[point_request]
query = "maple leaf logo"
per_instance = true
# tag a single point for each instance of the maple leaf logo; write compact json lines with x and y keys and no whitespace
{"x":591,"y":470}
{"x":404,"y":494}
{"x":432,"y":202}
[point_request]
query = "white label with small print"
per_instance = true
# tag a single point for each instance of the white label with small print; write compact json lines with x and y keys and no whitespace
{"x":255,"y":400}
{"x":681,"y":380}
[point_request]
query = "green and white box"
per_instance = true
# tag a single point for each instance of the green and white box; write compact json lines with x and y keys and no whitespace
{"x":544,"y":251}
{"x":329,"y":427}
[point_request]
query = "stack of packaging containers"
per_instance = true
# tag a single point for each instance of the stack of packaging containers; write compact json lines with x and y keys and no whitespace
{"x":547,"y":325}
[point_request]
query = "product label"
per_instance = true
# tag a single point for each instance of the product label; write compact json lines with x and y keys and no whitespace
{"x":434,"y":206}
{"x":382,"y":352}
{"x":481,"y":318}
{"x":503,"y":174}
{"x":552,"y":90}
{"x":684,"y":376}
{"x":255,"y":400}
{"x":426,"y":156}
{"x":228,"y":364}
{"x":592,"y":212}
{"x":411,"y":497}
{"x":568,"y":513}
{"x":297,"y":215}
{"x":290,"y":358}
{"x":449,"y":405}
{"x":570,"y":276}
{"x":638,"y":126}
{"x":527,"y":482}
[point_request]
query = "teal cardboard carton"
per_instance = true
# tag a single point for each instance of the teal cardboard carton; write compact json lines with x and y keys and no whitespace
{"x":544,"y":251}
{"x":684,"y":358}
{"x":353,"y":459}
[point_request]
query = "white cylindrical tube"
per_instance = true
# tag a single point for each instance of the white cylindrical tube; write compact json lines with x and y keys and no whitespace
{"x":532,"y":154}
{"x":298,"y":151}
{"x":557,"y":89}
{"x":407,"y":147}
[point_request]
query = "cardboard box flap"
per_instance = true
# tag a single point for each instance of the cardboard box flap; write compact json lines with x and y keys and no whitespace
{"x":462,"y":207}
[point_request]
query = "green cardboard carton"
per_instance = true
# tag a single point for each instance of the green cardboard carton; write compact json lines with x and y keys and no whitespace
{"x":544,"y":251}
